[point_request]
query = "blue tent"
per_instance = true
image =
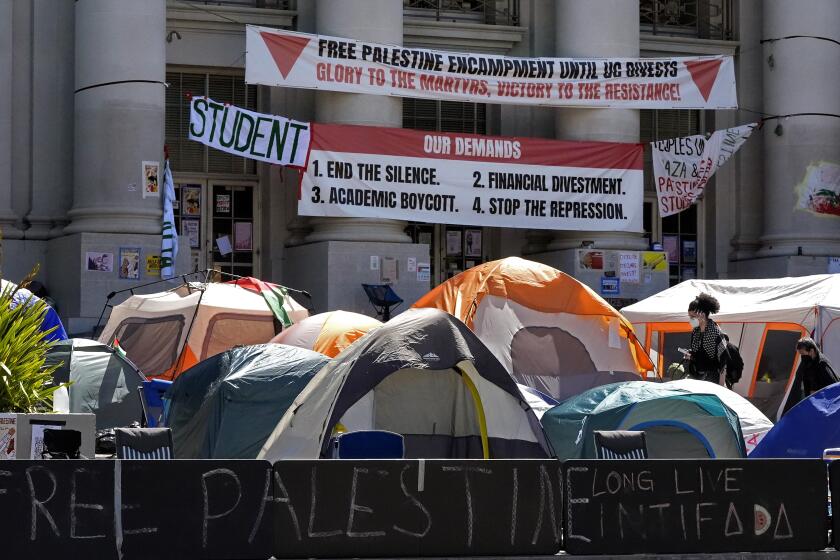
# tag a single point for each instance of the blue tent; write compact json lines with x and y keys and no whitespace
{"x":51,"y":319}
{"x":677,"y":424}
{"x":806,"y":430}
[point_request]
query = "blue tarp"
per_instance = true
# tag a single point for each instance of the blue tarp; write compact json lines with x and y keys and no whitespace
{"x":806,"y":430}
{"x":51,"y":318}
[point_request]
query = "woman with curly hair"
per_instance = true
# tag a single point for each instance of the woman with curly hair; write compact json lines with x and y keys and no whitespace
{"x":708,"y":347}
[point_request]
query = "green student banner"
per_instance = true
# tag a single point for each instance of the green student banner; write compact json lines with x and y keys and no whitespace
{"x":248,"y":134}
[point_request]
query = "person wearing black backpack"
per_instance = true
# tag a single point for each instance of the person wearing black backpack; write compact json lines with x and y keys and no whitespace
{"x":707,"y":355}
{"x":734,"y":363}
{"x":814,"y":373}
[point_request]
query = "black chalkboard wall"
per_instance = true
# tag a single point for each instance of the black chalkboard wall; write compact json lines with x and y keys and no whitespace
{"x":169,"y":509}
{"x":417,"y":508}
{"x":623,"y":507}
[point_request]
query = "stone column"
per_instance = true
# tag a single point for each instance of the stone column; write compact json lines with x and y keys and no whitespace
{"x":801,"y":77}
{"x":379,"y":21}
{"x":8,"y":218}
{"x":52,"y":117}
{"x":119,"y":114}
{"x":597,"y":28}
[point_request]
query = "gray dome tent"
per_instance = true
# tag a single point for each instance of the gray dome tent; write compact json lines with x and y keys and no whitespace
{"x":423,"y":375}
{"x":226,"y":406}
{"x":102,"y":381}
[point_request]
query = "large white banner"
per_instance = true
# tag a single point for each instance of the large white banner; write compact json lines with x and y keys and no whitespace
{"x":360,"y":171}
{"x":248,"y":134}
{"x":683,"y":166}
{"x":284,"y":58}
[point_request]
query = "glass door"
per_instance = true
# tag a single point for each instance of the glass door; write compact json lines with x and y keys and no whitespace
{"x":188,"y":210}
{"x":232,"y":230}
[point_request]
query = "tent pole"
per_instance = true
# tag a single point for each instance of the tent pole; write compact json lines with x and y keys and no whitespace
{"x":479,"y":408}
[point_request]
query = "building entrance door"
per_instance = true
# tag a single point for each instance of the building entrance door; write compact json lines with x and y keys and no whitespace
{"x":232,"y":228}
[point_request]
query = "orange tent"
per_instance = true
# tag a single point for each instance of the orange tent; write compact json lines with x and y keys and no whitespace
{"x":327,"y":333}
{"x":550,"y":331}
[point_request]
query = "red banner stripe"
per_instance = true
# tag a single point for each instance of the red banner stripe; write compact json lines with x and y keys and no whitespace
{"x":533,"y":151}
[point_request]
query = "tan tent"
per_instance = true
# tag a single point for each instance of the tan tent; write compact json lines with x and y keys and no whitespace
{"x":168,"y":332}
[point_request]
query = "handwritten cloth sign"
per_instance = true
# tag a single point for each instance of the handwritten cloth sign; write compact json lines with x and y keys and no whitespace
{"x":373,"y":172}
{"x":282,"y":58}
{"x":248,"y":134}
{"x":694,"y":506}
{"x":683,"y":166}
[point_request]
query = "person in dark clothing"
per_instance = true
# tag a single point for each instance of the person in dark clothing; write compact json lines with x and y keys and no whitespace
{"x":708,"y":347}
{"x":734,"y":363}
{"x":814,"y":373}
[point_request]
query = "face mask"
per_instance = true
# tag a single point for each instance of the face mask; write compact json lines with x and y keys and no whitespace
{"x":695,"y":323}
{"x":806,"y":359}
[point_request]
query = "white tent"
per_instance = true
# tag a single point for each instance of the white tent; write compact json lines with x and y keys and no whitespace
{"x":764,"y":318}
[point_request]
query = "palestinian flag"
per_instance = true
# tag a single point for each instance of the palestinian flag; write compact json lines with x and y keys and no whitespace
{"x":274,"y":296}
{"x":118,"y":349}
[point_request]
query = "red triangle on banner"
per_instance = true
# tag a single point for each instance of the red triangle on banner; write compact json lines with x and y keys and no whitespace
{"x":704,"y":73}
{"x":285,"y":49}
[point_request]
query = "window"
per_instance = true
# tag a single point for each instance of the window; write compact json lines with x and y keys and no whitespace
{"x":189,"y":156}
{"x":152,"y":344}
{"x":444,"y":116}
{"x":227,"y":330}
{"x":705,"y":19}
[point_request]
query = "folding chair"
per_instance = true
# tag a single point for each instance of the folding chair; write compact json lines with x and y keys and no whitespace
{"x":620,"y":444}
{"x":152,"y":401}
{"x":383,"y":298}
{"x":368,"y":444}
{"x":62,"y":444}
{"x":144,"y":443}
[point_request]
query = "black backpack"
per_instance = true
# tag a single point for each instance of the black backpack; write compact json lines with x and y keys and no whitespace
{"x":734,"y":364}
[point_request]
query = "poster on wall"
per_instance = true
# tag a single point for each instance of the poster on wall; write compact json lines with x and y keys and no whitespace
{"x":191,"y":196}
{"x":36,"y":447}
{"x":466,"y":179}
{"x":222,"y":204}
{"x":629,"y":270}
{"x":8,"y":439}
{"x":453,"y":243}
{"x":192,"y":229}
{"x":654,"y":261}
{"x":99,"y":262}
{"x":670,"y":243}
{"x":242,"y":236}
{"x":591,"y":260}
{"x":130,"y":263}
{"x":472,"y":240}
{"x":689,"y":251}
{"x":150,"y":175}
{"x":152,"y":265}
{"x":283,"y":58}
{"x":819,"y":190}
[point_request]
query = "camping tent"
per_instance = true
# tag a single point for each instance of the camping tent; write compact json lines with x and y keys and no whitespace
{"x":549,"y":331}
{"x":754,"y":424}
{"x":423,"y":375}
{"x":808,"y":429}
{"x":764,"y":318}
{"x":102,"y":381}
{"x":328,"y":333}
{"x":50,"y":320}
{"x":539,"y":402}
{"x":168,"y":332}
{"x":226,"y":406}
{"x":677,"y":424}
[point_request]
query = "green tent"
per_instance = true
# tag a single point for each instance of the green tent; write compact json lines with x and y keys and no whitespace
{"x":102,"y":381}
{"x":677,"y":424}
{"x":226,"y":406}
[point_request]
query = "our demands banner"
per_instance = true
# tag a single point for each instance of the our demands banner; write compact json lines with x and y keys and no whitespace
{"x":248,"y":134}
{"x":357,"y":171}
{"x":288,"y":59}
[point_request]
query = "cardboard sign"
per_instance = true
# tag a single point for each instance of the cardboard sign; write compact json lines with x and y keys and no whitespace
{"x":695,"y":506}
{"x":282,"y":58}
{"x":398,"y":508}
{"x":466,"y":179}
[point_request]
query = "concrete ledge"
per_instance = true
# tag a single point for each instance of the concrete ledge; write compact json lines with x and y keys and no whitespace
{"x":827,"y":554}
